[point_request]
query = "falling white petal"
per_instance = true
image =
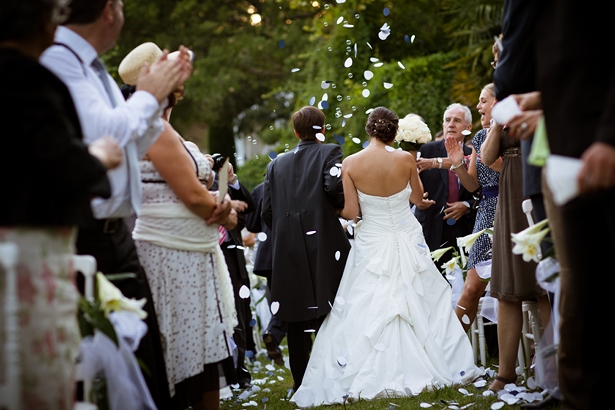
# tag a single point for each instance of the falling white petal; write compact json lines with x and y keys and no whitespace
{"x":388,"y":85}
{"x":337,"y":255}
{"x":348,"y":62}
{"x":368,"y":75}
{"x":365,"y":93}
{"x":380,"y":64}
{"x":262,"y":236}
{"x":401,"y":65}
{"x":294,"y":70}
{"x":334,"y":171}
{"x":310,"y":233}
{"x":340,"y":19}
{"x":275,"y":306}
{"x":244,"y":292}
{"x":320,"y":136}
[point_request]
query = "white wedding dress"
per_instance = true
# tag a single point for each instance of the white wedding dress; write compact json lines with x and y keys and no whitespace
{"x":392,"y":330}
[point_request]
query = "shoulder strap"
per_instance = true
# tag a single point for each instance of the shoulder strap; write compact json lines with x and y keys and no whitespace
{"x":196,"y":165}
{"x":74,"y":53}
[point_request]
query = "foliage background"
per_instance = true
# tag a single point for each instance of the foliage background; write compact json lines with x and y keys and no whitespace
{"x":243,"y":89}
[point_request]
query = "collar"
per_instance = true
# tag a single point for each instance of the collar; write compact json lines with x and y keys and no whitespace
{"x":308,"y":142}
{"x":78,"y":44}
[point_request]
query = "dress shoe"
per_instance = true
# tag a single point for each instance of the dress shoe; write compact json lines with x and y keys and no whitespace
{"x":273,"y":351}
{"x":546,"y":402}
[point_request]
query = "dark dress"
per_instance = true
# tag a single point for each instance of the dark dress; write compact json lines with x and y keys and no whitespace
{"x":512,"y":279}
{"x":488,"y":180}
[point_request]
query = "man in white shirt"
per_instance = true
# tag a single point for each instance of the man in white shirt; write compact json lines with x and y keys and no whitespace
{"x":91,"y":30}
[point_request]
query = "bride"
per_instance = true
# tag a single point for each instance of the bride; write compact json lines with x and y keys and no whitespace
{"x":392,"y":330}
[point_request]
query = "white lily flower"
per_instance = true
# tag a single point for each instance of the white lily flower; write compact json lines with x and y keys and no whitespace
{"x":437,"y":254}
{"x":528,"y":244}
{"x":468,"y":241}
{"x":450,"y":265}
{"x":111,"y":298}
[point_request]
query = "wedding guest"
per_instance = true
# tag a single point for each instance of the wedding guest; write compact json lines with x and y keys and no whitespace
{"x":478,"y":175}
{"x":512,"y":279}
{"x":569,"y":34}
{"x":91,"y":30}
{"x":49,"y":177}
{"x":177,"y":244}
{"x":446,"y":211}
{"x":275,"y":330}
{"x":300,"y":203}
{"x":233,"y":250}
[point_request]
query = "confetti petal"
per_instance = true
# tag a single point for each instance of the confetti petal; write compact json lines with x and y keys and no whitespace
{"x":425,"y":405}
{"x":312,"y":100}
{"x":389,"y":148}
{"x":386,"y":11}
{"x":334,"y":171}
{"x":368,"y":75}
{"x":281,"y":43}
{"x":370,"y":46}
{"x":380,"y":64}
{"x":356,"y":140}
{"x":465,"y":319}
{"x":412,"y":38}
{"x":244,"y":292}
{"x":337,"y":255}
{"x":341,"y":361}
{"x":407,"y":38}
{"x":373,"y":59}
{"x":401,"y":65}
{"x":340,"y":19}
{"x":275,"y":306}
{"x":388,"y":85}
{"x":320,"y":136}
{"x":466,"y":132}
{"x":325,"y":84}
{"x":348,"y":62}
{"x":324,"y":104}
{"x":294,"y":70}
{"x":497,"y":405}
{"x":365,"y":93}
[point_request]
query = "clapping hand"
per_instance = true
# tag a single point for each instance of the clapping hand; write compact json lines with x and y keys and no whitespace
{"x":455,"y":210}
{"x":221,"y":212}
{"x":107,"y":151}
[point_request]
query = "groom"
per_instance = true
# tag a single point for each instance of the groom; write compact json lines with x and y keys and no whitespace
{"x":302,"y":191}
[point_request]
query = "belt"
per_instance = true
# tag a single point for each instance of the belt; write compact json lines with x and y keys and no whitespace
{"x":106,"y":226}
{"x":489,"y":192}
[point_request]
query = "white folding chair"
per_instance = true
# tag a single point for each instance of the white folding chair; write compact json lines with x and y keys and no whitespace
{"x":86,"y":264}
{"x":10,"y":390}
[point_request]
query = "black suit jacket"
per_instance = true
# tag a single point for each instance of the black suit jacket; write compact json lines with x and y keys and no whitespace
{"x":435,"y":183}
{"x":235,"y":250}
{"x":299,"y":205}
{"x":255,"y":224}
{"x":48,"y":175}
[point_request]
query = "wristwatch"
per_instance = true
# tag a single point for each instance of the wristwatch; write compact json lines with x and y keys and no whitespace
{"x":439,"y":162}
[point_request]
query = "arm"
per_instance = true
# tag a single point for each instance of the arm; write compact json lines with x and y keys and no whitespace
{"x":468,"y":177}
{"x":417,"y":194}
{"x":333,"y":185}
{"x":351,"y":208}
{"x":174,"y":164}
{"x":490,"y":150}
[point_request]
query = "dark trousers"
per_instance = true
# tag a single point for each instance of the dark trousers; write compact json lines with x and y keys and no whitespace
{"x":116,"y":253}
{"x":243,"y":332}
{"x":584,"y":235}
{"x":300,"y":346}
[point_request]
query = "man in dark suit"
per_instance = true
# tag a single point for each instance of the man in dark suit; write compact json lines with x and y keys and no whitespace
{"x":276,"y":329}
{"x":447,"y":210}
{"x":232,"y":248}
{"x":303,"y":190}
{"x":576,"y":79}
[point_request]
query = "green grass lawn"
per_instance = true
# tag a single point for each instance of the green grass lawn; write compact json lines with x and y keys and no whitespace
{"x":272,"y":383}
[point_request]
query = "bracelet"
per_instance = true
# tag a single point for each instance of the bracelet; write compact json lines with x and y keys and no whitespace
{"x":433,"y":162}
{"x":454,"y":167}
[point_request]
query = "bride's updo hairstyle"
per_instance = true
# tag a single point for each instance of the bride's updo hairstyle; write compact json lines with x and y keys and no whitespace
{"x":382,"y":123}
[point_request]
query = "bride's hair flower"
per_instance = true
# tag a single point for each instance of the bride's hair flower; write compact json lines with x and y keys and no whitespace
{"x":412,"y":132}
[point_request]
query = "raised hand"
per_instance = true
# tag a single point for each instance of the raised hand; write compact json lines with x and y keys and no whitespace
{"x":454,"y":149}
{"x":162,"y":78}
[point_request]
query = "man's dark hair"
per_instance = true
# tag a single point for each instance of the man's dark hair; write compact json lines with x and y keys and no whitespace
{"x":304,"y":121}
{"x":22,"y":19}
{"x":85,"y":11}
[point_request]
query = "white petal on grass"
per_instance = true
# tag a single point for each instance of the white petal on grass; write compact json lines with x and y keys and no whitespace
{"x":425,"y":405}
{"x":365,"y":93}
{"x":480,"y":383}
{"x":340,"y":19}
{"x":320,"y":136}
{"x":531,"y":383}
{"x":275,"y":306}
{"x":401,"y":65}
{"x":270,"y":367}
{"x":356,"y":140}
{"x":348,"y":62}
{"x":310,"y":233}
{"x":488,"y":393}
{"x":497,"y":405}
{"x":244,"y":292}
{"x":337,"y":255}
{"x":388,"y":85}
{"x":294,"y":70}
{"x":464,"y":391}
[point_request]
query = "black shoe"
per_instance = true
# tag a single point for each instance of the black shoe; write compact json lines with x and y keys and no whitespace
{"x":273,"y":351}
{"x":546,"y":402}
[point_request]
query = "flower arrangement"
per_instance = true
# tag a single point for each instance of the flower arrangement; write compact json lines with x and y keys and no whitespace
{"x":412,"y":133}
